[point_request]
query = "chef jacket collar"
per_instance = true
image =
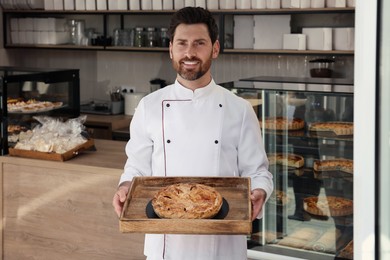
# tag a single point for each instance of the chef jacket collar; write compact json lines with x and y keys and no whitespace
{"x":186,"y":93}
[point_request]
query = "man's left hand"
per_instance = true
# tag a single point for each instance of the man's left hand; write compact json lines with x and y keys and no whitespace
{"x":258,"y":197}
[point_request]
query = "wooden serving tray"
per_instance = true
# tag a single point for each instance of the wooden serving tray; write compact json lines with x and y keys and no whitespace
{"x":235,"y":190}
{"x":52,"y":156}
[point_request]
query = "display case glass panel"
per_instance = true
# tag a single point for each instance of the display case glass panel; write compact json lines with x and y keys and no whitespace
{"x":307,"y":128}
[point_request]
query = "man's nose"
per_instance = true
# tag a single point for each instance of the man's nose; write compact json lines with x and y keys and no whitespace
{"x":190,"y":52}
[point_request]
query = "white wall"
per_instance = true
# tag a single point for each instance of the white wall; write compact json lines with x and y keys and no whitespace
{"x":364,"y":130}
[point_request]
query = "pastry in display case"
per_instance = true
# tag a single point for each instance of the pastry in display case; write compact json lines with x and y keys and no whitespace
{"x":30,"y":92}
{"x":307,"y":128}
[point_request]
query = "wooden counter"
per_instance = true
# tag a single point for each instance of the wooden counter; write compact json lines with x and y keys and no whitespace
{"x":63,"y":210}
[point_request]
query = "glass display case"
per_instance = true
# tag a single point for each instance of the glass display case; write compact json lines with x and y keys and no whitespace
{"x":307,"y":128}
{"x":27,"y":92}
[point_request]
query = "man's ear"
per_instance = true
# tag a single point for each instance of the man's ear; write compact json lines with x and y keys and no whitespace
{"x":216,"y":48}
{"x":170,"y":50}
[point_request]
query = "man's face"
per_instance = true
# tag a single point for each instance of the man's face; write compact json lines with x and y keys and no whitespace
{"x":192,"y":51}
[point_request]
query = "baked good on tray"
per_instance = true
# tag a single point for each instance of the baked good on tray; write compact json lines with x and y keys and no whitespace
{"x":338,"y":128}
{"x":300,"y":238}
{"x":282,"y":123}
{"x":31,"y":105}
{"x":187,"y":201}
{"x":328,"y":206}
{"x":13,"y":129}
{"x":326,"y":242}
{"x":287,"y":159}
{"x":347,"y":251}
{"x":344,"y":165}
{"x":17,"y":133}
{"x":278,"y":197}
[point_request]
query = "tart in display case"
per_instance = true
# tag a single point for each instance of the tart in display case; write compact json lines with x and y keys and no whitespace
{"x":307,"y":128}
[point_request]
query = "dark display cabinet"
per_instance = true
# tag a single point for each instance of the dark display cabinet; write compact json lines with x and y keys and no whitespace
{"x":310,"y":213}
{"x":27,"y":92}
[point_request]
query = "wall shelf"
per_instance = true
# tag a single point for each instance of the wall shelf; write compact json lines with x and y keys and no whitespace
{"x":124,"y":16}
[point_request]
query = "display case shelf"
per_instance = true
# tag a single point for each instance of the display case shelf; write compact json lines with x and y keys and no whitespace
{"x":289,"y":52}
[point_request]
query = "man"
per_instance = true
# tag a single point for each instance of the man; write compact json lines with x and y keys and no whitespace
{"x":195,"y":128}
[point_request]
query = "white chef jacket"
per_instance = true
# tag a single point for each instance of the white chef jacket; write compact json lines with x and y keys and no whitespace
{"x":207,"y":132}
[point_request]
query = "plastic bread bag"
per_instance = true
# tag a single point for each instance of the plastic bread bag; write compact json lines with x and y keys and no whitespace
{"x":55,"y":135}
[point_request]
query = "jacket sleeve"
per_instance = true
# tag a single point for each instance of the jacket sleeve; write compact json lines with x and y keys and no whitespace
{"x":139,"y":148}
{"x":252,"y":159}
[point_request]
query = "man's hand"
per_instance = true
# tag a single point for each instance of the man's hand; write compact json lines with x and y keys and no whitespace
{"x":258,"y":197}
{"x":120,"y":197}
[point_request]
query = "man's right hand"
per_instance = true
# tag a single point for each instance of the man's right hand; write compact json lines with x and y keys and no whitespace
{"x":120,"y":197}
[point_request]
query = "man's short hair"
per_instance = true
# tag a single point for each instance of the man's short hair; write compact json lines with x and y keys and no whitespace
{"x":194,"y":15}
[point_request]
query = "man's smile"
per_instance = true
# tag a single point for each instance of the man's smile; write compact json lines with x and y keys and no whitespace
{"x":190,"y":63}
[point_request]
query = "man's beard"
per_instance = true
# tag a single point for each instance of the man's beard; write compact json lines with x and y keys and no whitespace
{"x":192,"y":74}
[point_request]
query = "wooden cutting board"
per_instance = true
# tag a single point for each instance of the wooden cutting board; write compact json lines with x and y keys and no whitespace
{"x":235,"y":190}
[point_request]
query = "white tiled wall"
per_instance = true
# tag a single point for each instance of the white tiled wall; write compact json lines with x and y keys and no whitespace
{"x":100,"y":71}
{"x":132,"y":69}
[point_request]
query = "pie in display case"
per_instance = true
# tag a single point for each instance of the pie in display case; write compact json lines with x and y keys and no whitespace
{"x":29,"y":92}
{"x":307,"y":128}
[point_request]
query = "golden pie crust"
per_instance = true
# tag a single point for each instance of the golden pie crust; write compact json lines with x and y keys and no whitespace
{"x":187,"y":201}
{"x":31,"y":105}
{"x":347,"y":251}
{"x":338,"y":128}
{"x":13,"y":129}
{"x":282,"y":123}
{"x":278,"y":197}
{"x":328,"y":206}
{"x":287,"y":159}
{"x":344,"y":165}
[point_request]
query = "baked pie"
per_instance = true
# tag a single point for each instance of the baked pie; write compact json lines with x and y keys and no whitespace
{"x":328,"y":206}
{"x":17,"y":133}
{"x":282,"y":123}
{"x":343,"y":165}
{"x":31,"y":105}
{"x":286,"y":159}
{"x":347,"y":251}
{"x":187,"y":201}
{"x":13,"y":129}
{"x":338,"y":128}
{"x":278,"y":197}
